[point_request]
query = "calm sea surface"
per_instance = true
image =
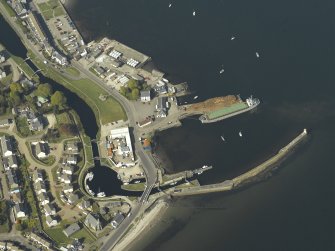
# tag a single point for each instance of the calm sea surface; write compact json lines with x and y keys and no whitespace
{"x":294,"y":77}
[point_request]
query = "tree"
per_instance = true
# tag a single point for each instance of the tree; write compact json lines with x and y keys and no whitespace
{"x":123,"y":90}
{"x":15,"y":98}
{"x":16,"y":87}
{"x":58,"y":99}
{"x":135,"y":93}
{"x":44,"y":90}
{"x":132,"y":84}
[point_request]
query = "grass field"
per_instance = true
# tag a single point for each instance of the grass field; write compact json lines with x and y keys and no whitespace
{"x":106,"y":111}
{"x":10,"y":11}
{"x":72,"y":71}
{"x":51,"y":9}
{"x":23,"y":127}
{"x":63,"y":118}
{"x":23,"y":66}
{"x":134,"y":187}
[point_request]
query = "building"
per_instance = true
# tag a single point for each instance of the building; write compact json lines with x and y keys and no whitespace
{"x":19,"y":212}
{"x":161,"y":107}
{"x":93,"y":222}
{"x":59,"y":59}
{"x":72,"y":199}
{"x":2,"y":73}
{"x":35,"y":27}
{"x":85,"y":205}
{"x":72,"y":147}
{"x":4,"y":122}
{"x":41,"y":150}
{"x":67,"y":169}
{"x":65,"y":178}
{"x":160,"y":88}
{"x":67,"y":188}
{"x":41,"y":241}
{"x":38,"y":176}
{"x":124,"y":142}
{"x":6,"y":146}
{"x":72,"y":159}
{"x":43,"y":198}
{"x":70,"y":230}
{"x":40,"y":187}
{"x":51,"y":221}
{"x":36,"y":124}
{"x":10,"y":162}
{"x":117,"y":220}
{"x":12,"y":182}
{"x":145,"y":122}
{"x":145,"y":96}
{"x":49,"y":209}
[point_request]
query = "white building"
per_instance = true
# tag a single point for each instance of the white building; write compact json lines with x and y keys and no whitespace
{"x":68,"y":188}
{"x":19,"y":211}
{"x":51,"y":221}
{"x":6,"y":146}
{"x":145,"y":96}
{"x":40,"y":187}
{"x":49,"y":209}
{"x":124,"y":142}
{"x":41,"y":150}
{"x":43,"y":199}
{"x":10,"y":162}
{"x":59,"y":58}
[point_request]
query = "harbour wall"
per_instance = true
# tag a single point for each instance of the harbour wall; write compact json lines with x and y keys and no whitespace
{"x":235,"y":183}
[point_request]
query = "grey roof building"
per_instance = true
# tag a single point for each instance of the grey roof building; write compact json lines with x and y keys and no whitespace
{"x":117,"y":220}
{"x":49,"y":209}
{"x":70,"y":230}
{"x":72,"y":147}
{"x":36,"y":124}
{"x":10,"y":162}
{"x":4,"y":122}
{"x":85,"y":204}
{"x":40,"y":187}
{"x":38,"y":175}
{"x":145,"y":96}
{"x":6,"y":146}
{"x":72,"y":198}
{"x":41,"y":150}
{"x":93,"y":222}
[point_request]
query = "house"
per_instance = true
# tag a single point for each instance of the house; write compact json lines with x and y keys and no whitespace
{"x":19,"y":211}
{"x":59,"y":59}
{"x":12,"y":182}
{"x":6,"y":146}
{"x":2,"y":245}
{"x":36,"y":124}
{"x":117,"y":220}
{"x":43,"y":198}
{"x":145,"y":96}
{"x":2,"y":73}
{"x":70,"y":230}
{"x":4,"y":122}
{"x":38,"y":175}
{"x":17,"y":197}
{"x":41,"y":150}
{"x":42,"y":100}
{"x":160,"y":88}
{"x":51,"y":221}
{"x":161,"y":107}
{"x":65,"y":178}
{"x":93,"y":222}
{"x":40,"y":187}
{"x":72,"y":198}
{"x":68,"y":169}
{"x":72,"y":147}
{"x":72,"y":159}
{"x":10,"y":162}
{"x":85,"y":205}
{"x":67,"y":188}
{"x":41,"y":241}
{"x":49,"y":209}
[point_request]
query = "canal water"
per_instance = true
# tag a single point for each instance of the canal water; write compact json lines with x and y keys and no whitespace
{"x":294,"y":78}
{"x":105,"y":180}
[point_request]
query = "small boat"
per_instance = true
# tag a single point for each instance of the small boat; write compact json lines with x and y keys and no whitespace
{"x":195,"y":97}
{"x":257,"y":54}
{"x":221,"y":71}
{"x":101,"y":194}
{"x":185,"y":102}
{"x":232,"y":38}
{"x":223,"y":139}
{"x":240,"y":134}
{"x":173,"y":183}
{"x":204,"y":167}
{"x":170,"y":5}
{"x":90,"y":176}
{"x":137,"y":181}
{"x":194,"y":13}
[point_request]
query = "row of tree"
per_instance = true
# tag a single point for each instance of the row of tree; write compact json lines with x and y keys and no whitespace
{"x":132,"y":89}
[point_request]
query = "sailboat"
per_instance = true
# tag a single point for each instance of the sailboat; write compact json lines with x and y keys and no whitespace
{"x":221,"y":71}
{"x":257,"y":54}
{"x":240,"y":134}
{"x":170,"y":5}
{"x":223,"y":139}
{"x":232,"y":38}
{"x":193,"y":12}
{"x":195,"y":97}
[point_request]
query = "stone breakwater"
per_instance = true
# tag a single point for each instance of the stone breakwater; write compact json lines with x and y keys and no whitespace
{"x":232,"y":184}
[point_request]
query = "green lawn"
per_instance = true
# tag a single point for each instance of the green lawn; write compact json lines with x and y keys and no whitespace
{"x":43,"y":6}
{"x":49,"y":161}
{"x":83,"y":234}
{"x":23,"y":66}
{"x":59,"y":11}
{"x":63,"y":118}
{"x":56,"y":233}
{"x":4,"y":213}
{"x":48,"y":14}
{"x":72,"y":71}
{"x":10,"y":11}
{"x":107,"y":111}
{"x":134,"y":187}
{"x":7,"y":80}
{"x":23,"y":127}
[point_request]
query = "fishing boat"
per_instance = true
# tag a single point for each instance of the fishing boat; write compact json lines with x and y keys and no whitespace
{"x":223,"y":139}
{"x":137,"y":181}
{"x":101,"y":194}
{"x":194,"y":13}
{"x":232,"y":38}
{"x":195,"y":97}
{"x":240,"y":134}
{"x":170,"y":5}
{"x":221,"y":71}
{"x":257,"y":54}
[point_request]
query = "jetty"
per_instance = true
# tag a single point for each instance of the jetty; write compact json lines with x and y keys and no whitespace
{"x":238,"y":181}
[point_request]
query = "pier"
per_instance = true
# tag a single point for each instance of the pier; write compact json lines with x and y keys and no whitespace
{"x":235,"y":183}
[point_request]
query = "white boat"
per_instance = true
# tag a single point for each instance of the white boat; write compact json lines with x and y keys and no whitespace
{"x":240,"y":134}
{"x":232,"y":38}
{"x":223,"y":138}
{"x":137,"y":181}
{"x":194,"y":13}
{"x":204,"y":167}
{"x":185,"y":102}
{"x":257,"y":54}
{"x":90,"y":176}
{"x":91,"y":192}
{"x":101,"y":194}
{"x":221,"y":71}
{"x":170,"y":5}
{"x":195,"y":97}
{"x":173,"y":183}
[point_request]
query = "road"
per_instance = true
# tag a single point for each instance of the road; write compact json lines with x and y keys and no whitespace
{"x":148,"y":164}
